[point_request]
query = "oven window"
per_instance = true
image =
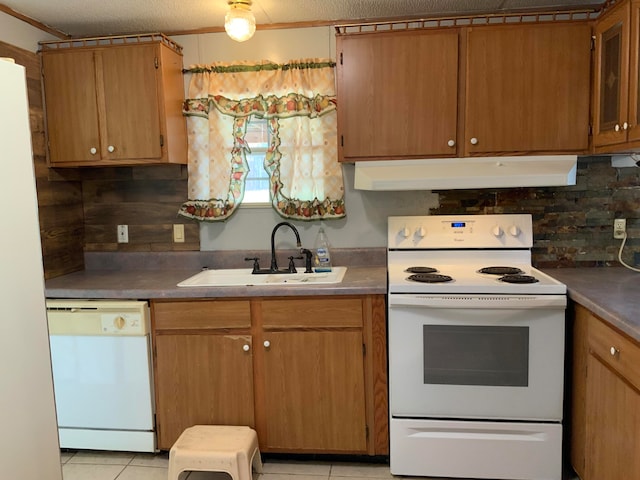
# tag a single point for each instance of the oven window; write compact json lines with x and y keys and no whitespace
{"x":476,"y":355}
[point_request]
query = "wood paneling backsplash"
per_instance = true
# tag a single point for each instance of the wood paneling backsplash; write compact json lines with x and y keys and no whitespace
{"x":144,"y":198}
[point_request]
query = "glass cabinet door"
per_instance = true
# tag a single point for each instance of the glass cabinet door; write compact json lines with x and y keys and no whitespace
{"x":612,"y":77}
{"x":634,"y":74}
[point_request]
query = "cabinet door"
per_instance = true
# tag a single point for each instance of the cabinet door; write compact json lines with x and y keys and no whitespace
{"x":71,"y":106}
{"x":314,"y":396}
{"x":613,"y":425}
{"x":397,"y":94}
{"x":527,"y":89}
{"x":202,"y":379}
{"x":611,"y":80}
{"x":633,"y":133}
{"x":132,"y":119}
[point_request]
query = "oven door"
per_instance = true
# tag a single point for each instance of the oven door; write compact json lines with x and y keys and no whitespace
{"x":476,"y":356}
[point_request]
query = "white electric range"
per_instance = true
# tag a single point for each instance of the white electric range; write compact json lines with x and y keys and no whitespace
{"x":476,"y":350}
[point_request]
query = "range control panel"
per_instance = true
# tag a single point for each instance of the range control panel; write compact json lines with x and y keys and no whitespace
{"x":460,"y":231}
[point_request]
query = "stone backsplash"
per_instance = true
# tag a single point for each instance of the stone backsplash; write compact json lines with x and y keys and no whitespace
{"x":573,"y":225}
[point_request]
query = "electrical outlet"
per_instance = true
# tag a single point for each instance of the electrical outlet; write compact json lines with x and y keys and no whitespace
{"x":123,"y":234}
{"x":619,"y":227}
{"x":178,"y":233}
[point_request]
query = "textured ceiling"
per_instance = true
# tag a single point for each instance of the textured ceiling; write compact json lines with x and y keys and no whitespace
{"x":106,"y":17}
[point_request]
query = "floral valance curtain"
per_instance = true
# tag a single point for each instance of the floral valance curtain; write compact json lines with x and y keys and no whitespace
{"x":298,"y":101}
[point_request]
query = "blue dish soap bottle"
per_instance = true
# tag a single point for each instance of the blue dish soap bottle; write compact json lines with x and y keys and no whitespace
{"x":322,"y":259}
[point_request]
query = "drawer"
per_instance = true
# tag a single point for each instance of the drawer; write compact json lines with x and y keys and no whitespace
{"x":209,"y":314}
{"x":312,"y":312}
{"x":616,"y":350}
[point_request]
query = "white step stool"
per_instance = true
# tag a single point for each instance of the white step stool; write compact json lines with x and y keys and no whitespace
{"x":216,"y":448}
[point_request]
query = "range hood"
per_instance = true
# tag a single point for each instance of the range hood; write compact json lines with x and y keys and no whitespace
{"x":463,"y":173}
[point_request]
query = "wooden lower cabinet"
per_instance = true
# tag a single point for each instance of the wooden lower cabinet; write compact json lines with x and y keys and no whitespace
{"x":203,"y":369}
{"x":202,"y":379}
{"x":606,"y":430}
{"x":314,"y":392}
{"x":308,"y":373}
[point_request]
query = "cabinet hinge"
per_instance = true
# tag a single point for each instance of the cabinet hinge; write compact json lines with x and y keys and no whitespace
{"x":162,"y":140}
{"x":155,"y":62}
{"x":364,"y":349}
{"x":340,"y":58}
{"x":366,"y":431}
{"x":342,"y":140}
{"x":593,"y":42}
{"x":590,"y":130}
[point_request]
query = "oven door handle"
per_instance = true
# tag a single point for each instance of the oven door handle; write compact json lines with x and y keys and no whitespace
{"x":519,"y":302}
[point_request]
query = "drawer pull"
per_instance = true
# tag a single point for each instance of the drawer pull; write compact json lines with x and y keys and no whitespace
{"x":614,"y":352}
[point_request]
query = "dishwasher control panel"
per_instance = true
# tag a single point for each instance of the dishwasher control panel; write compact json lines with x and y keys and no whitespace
{"x":98,"y":317}
{"x":123,"y":323}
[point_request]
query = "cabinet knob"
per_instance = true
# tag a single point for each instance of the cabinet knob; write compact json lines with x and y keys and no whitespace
{"x":617,"y":127}
{"x":625,"y":126}
{"x":474,"y":141}
{"x":111,"y":149}
{"x":451,"y":143}
{"x":93,"y":150}
{"x":246,"y":348}
{"x":614,"y":352}
{"x":267,"y":344}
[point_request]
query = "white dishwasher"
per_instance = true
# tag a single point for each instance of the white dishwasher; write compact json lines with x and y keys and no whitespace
{"x":102,"y":377}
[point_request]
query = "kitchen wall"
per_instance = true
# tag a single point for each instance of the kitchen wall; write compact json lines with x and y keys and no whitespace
{"x":81,"y":207}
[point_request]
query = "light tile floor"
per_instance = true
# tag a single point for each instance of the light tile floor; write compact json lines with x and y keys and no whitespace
{"x":86,"y":465}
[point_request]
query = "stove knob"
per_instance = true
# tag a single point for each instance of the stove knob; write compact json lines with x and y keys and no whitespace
{"x":405,"y":232}
{"x":497,"y":231}
{"x":421,"y":232}
{"x":514,"y":230}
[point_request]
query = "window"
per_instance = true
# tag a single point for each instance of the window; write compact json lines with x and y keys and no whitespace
{"x":256,"y":190}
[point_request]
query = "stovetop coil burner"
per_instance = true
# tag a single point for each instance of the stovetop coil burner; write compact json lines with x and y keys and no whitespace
{"x":501,"y":270}
{"x":429,"y":278}
{"x":421,"y":270}
{"x":518,"y":279}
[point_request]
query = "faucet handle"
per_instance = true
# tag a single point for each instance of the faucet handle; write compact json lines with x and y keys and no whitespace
{"x":307,"y":263}
{"x":292,"y":267}
{"x":256,"y":264}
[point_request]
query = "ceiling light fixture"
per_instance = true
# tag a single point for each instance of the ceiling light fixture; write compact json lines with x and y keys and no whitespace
{"x":239,"y":22}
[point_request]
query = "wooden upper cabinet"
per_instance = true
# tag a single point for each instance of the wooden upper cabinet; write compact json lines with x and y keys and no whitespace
{"x":71,"y":106}
{"x":616,"y":108}
{"x":527,"y":89}
{"x":131,"y":103}
{"x":397,"y":94}
{"x":470,"y":91}
{"x":114,"y":105}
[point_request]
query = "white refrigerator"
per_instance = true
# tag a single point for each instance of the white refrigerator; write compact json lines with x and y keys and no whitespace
{"x":29,"y":440}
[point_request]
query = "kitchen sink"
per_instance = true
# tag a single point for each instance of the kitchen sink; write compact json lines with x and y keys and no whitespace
{"x":243,"y":277}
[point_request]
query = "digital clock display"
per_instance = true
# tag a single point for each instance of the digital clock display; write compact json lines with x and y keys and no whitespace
{"x":458,"y":224}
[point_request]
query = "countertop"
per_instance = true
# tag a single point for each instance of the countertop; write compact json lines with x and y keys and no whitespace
{"x":147,"y":284}
{"x":612,"y":293}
